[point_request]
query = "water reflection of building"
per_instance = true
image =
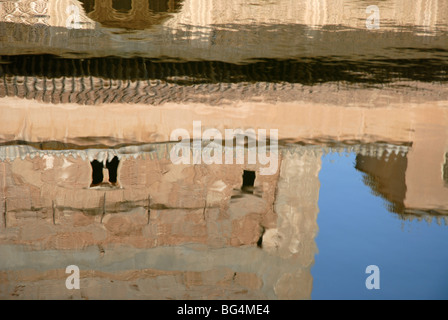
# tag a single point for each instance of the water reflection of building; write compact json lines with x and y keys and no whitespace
{"x":386,"y":175}
{"x":130,"y":14}
{"x":29,"y":83}
{"x":317,"y":13}
{"x":165,"y":212}
{"x":150,"y":236}
{"x":232,"y":31}
{"x":425,"y":13}
{"x":162,"y":207}
{"x":28,"y":12}
{"x":313,"y":122}
{"x":415,"y":183}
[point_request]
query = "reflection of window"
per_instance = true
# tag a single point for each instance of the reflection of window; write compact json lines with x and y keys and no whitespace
{"x":122,"y":5}
{"x":97,"y":171}
{"x":445,"y":171}
{"x":248,"y":181}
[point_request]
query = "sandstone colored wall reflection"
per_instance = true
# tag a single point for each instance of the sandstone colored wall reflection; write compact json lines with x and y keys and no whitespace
{"x":234,"y":32}
{"x":187,"y":232}
{"x":162,"y":209}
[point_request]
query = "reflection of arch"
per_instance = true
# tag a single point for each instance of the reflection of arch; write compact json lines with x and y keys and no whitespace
{"x":130,"y":14}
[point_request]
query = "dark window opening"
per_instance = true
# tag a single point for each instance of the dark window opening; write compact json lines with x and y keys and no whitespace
{"x":123,"y":6}
{"x":248,"y":181}
{"x":97,"y":172}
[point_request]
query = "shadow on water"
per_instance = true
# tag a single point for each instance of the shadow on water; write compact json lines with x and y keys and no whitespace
{"x":306,"y":71}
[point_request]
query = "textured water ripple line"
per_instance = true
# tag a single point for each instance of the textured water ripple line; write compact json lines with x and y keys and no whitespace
{"x":305,"y":70}
{"x":152,"y":82}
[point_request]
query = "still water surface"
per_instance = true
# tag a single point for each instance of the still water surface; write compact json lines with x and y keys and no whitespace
{"x":91,"y":91}
{"x":356,"y":230}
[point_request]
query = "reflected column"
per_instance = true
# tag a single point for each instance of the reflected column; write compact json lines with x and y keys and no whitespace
{"x":297,"y":209}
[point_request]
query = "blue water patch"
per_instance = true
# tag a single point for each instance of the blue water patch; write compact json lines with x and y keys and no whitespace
{"x":356,"y":230}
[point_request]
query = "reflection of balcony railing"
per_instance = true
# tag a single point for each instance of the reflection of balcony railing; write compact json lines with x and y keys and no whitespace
{"x":150,"y":151}
{"x":11,"y":151}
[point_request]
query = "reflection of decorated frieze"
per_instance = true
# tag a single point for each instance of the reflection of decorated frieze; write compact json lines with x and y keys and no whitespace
{"x":24,"y":11}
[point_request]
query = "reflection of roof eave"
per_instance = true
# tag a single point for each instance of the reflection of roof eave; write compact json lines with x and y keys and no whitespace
{"x":377,"y":150}
{"x":162,"y":151}
{"x":153,"y":151}
{"x":430,"y":216}
{"x":386,"y":178}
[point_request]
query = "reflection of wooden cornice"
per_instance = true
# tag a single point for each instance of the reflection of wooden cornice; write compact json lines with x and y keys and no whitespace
{"x":139,"y":17}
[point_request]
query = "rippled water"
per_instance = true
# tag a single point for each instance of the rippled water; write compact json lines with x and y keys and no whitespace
{"x":95,"y":95}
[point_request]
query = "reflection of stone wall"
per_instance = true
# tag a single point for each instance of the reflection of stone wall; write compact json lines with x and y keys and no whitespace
{"x":238,"y":30}
{"x":315,"y":13}
{"x":153,"y":253}
{"x":203,"y":13}
{"x":186,"y":204}
{"x":41,"y":23}
{"x":296,"y":205}
{"x":424,"y":175}
{"x":219,"y":283}
{"x":53,"y":13}
{"x":19,"y":15}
